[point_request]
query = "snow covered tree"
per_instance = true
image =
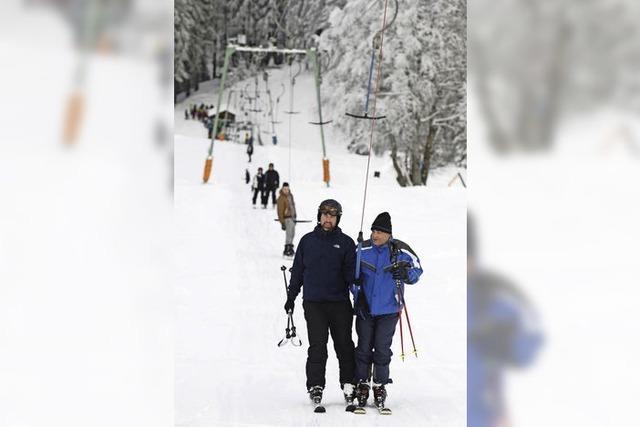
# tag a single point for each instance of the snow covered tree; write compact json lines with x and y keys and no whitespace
{"x":181,"y":38}
{"x":532,"y":63}
{"x":422,"y":88}
{"x":195,"y":35}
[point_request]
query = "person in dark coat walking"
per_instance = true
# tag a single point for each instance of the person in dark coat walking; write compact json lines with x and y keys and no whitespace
{"x":386,"y":264}
{"x":324,"y":267}
{"x":273,"y":183}
{"x":258,"y":187}
{"x":249,"y":151}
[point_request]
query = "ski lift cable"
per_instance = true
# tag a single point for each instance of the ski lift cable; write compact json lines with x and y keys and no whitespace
{"x":376,"y":42}
{"x":373,"y":123}
{"x":278,"y":102}
{"x":292,"y":82}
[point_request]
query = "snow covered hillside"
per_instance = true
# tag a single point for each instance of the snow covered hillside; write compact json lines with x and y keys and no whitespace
{"x":229,"y":287}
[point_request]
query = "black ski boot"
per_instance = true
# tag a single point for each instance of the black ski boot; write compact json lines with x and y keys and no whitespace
{"x":349,"y":396}
{"x":379,"y":396}
{"x":315,"y":394}
{"x":286,"y":250}
{"x":362,"y":394}
{"x":291,"y":251}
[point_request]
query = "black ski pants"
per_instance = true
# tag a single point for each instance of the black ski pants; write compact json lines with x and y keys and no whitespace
{"x":272,"y":191}
{"x":263,"y":196}
{"x":322,"y":318}
{"x":375,"y":335}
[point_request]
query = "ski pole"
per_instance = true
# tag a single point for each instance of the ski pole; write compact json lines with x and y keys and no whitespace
{"x":401,"y":337}
{"x":291,"y":328}
{"x":284,"y":340}
{"x":406,"y":312}
{"x":286,"y":287}
{"x":295,"y":343}
{"x":413,"y":343}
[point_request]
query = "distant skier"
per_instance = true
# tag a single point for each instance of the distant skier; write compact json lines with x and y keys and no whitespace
{"x":247,"y":177}
{"x":386,"y":265}
{"x":324,"y":268}
{"x":287,"y":217}
{"x":258,"y":187}
{"x":249,"y":151}
{"x":186,"y":114}
{"x":273,"y":182}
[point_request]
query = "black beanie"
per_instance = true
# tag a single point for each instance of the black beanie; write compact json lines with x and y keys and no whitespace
{"x":382,"y":223}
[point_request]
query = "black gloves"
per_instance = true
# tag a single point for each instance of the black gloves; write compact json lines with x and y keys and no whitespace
{"x":289,"y":305}
{"x":358,"y":281}
{"x":284,"y":227}
{"x":400,"y":271}
{"x":362,"y":308}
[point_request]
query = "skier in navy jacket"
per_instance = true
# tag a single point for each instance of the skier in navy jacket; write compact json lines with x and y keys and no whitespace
{"x":324,"y":268}
{"x":386,"y":264}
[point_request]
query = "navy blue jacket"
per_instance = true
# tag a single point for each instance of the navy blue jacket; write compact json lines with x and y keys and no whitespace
{"x":325,"y":265}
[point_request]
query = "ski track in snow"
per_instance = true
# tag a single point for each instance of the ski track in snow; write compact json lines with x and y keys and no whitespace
{"x":230,"y":289}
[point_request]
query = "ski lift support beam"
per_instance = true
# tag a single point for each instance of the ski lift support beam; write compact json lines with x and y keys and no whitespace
{"x":312,"y":53}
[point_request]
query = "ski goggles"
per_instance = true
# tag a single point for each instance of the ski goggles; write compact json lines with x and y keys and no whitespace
{"x":329,"y":210}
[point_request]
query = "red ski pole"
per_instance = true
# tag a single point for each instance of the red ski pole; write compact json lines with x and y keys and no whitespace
{"x":406,"y":312}
{"x":401,"y":337}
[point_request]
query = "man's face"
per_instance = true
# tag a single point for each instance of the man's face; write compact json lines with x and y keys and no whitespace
{"x":285,"y":190}
{"x":270,"y":167}
{"x":379,"y":238}
{"x":328,"y":220}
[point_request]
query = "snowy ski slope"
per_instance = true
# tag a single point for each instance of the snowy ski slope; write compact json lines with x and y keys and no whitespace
{"x":229,"y":287}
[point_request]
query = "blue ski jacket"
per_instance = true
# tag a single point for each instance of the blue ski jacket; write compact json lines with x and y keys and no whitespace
{"x":324,"y":266}
{"x":503,"y":331}
{"x":378,"y":284}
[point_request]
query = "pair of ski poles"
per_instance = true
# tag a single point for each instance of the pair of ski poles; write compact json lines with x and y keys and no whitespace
{"x":290,"y":331}
{"x":406,"y":312}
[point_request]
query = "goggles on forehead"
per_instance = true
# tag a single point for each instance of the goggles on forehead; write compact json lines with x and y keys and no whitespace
{"x":329,"y":210}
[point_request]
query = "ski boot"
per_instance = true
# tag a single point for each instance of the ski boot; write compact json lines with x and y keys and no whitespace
{"x":315,"y":394}
{"x":379,"y":396}
{"x":362,"y":394}
{"x":291,"y":251}
{"x":349,"y":396}
{"x":285,"y":253}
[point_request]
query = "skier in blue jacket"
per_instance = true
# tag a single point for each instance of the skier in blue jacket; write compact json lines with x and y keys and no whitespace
{"x":386,"y":264}
{"x":503,"y":332}
{"x":324,"y":267}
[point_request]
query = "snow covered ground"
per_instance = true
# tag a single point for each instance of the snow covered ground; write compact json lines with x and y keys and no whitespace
{"x":229,"y":287}
{"x":563,"y":227}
